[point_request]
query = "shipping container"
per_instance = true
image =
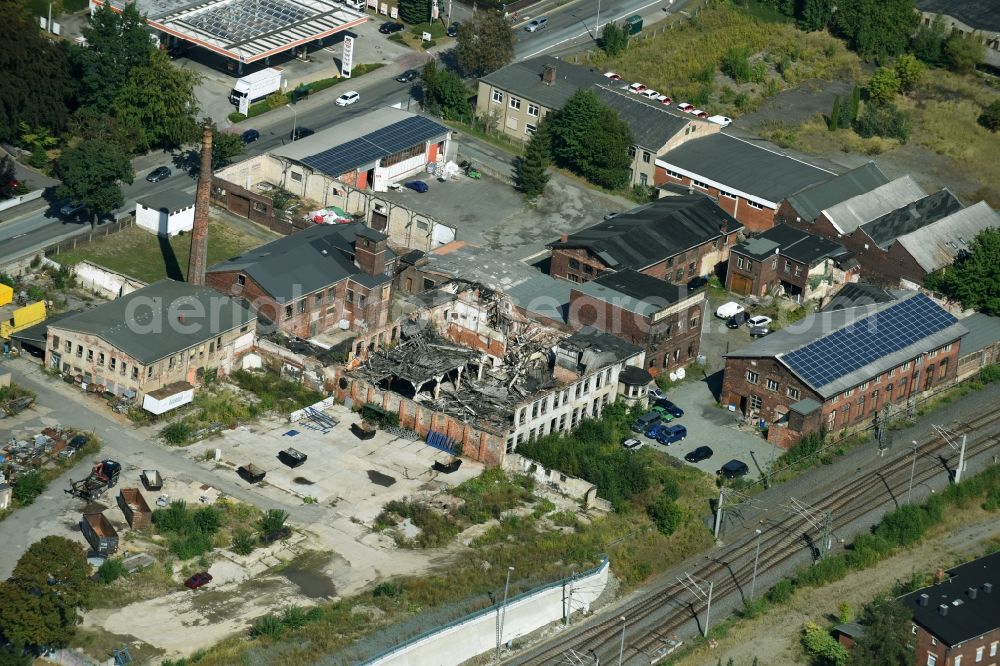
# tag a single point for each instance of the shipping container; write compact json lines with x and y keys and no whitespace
{"x":135,"y":508}
{"x":100,"y":533}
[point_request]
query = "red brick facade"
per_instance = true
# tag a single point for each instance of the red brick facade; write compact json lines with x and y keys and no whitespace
{"x":754,"y":216}
{"x":986,"y":647}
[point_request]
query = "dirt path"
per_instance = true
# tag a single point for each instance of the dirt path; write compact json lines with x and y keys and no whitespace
{"x":774,"y":637}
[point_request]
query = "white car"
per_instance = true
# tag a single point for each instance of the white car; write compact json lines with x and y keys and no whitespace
{"x":685,"y":107}
{"x":632,"y":444}
{"x":636,"y":88}
{"x":650,"y":94}
{"x":537,"y":24}
{"x":758,"y":320}
{"x":663,"y":99}
{"x":698,"y":112}
{"x":348,"y":98}
{"x":613,"y":76}
{"x":730,"y":309}
{"x":720,"y":120}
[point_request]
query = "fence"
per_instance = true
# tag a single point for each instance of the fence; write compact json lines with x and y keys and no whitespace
{"x":84,"y":239}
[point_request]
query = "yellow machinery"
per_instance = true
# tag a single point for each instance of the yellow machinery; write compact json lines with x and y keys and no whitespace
{"x":22,"y":318}
{"x":6,"y":295}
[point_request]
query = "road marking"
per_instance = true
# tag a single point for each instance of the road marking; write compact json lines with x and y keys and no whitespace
{"x":19,"y":235}
{"x":587,"y":31}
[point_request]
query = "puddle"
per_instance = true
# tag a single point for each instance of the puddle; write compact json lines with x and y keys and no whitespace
{"x":312,"y":584}
{"x":302,"y":481}
{"x":380,"y":479}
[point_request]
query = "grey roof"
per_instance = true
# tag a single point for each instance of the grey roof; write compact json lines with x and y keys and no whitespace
{"x":977,"y":14}
{"x":850,"y":214}
{"x":170,"y":200}
{"x":651,"y":123}
{"x":543,"y":295}
{"x":868,"y":331}
{"x":36,"y":335}
{"x":914,"y":215}
{"x":303,"y":262}
{"x":937,"y":245}
{"x":633,"y":291}
{"x":984,"y":331}
{"x":790,"y":242}
{"x":524,"y":79}
{"x":459,"y":259}
{"x":732,"y":163}
{"x":852,"y":629}
{"x":161,"y":319}
{"x":805,"y":407}
{"x":855,"y":294}
{"x":591,"y":349}
{"x":811,"y":201}
{"x":967,"y":618}
{"x":651,"y":233}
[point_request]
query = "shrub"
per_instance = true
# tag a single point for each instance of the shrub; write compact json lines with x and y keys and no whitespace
{"x":243,"y":542}
{"x":268,"y":626}
{"x":831,"y":568}
{"x":207,"y":519}
{"x":293,"y":617}
{"x":885,"y":121}
{"x":990,"y":117}
{"x":177,"y":433}
{"x":273,"y":520}
{"x":111,"y":570}
{"x":190,"y":545}
{"x":735,"y":64}
{"x":387,"y":589}
{"x":818,"y":642}
{"x":904,"y":526}
{"x":753,"y":608}
{"x":666,"y":514}
{"x":990,"y":374}
{"x":27,"y":487}
{"x":780,"y":593}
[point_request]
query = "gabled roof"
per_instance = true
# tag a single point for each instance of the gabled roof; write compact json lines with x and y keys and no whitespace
{"x":651,"y":123}
{"x":855,"y":294}
{"x":811,"y":201}
{"x":977,"y":14}
{"x":967,"y":617}
{"x":984,"y":331}
{"x":303,"y":262}
{"x":633,"y":291}
{"x":737,"y":164}
{"x":651,"y":233}
{"x":914,"y":215}
{"x":790,"y":242}
{"x":161,"y":319}
{"x":850,"y":214}
{"x":937,"y":245}
{"x":835,"y":350}
{"x":524,"y":79}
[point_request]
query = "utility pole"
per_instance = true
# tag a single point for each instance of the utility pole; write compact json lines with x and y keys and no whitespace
{"x":948,"y":436}
{"x":621,"y":647}
{"x":694,"y":586}
{"x":48,"y":26}
{"x":756,"y":557}
{"x":597,"y":24}
{"x":718,"y":511}
{"x":569,"y":601}
{"x":819,"y":520}
{"x":913,"y":468}
{"x":503,"y":612}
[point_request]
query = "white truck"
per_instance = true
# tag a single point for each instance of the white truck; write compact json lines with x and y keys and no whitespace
{"x":256,"y":86}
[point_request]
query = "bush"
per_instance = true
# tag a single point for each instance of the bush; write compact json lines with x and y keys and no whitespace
{"x":243,"y":542}
{"x":904,"y":526}
{"x":268,"y":626}
{"x":207,"y":519}
{"x":780,"y":593}
{"x":492,"y":493}
{"x":111,"y":570}
{"x":827,"y":570}
{"x":27,"y":487}
{"x":177,"y":433}
{"x":818,"y":642}
{"x":666,"y":514}
{"x":735,"y":64}
{"x":990,"y":374}
{"x":272,"y":521}
{"x":435,"y":529}
{"x":190,"y":545}
{"x":990,"y":117}
{"x":885,"y":121}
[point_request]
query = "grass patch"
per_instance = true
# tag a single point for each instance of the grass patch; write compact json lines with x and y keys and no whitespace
{"x":142,"y":255}
{"x":508,"y":145}
{"x":492,"y":493}
{"x":275,"y":393}
{"x":436,"y":529}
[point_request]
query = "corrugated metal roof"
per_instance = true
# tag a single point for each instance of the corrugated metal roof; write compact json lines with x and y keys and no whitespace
{"x":984,"y":331}
{"x":914,"y":215}
{"x":811,"y":201}
{"x":850,"y":214}
{"x":936,"y":245}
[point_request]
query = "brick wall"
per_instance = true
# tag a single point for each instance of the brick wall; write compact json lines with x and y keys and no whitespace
{"x":755,"y":219}
{"x":946,"y":655}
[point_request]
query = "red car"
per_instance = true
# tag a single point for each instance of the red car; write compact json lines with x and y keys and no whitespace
{"x":198,"y":580}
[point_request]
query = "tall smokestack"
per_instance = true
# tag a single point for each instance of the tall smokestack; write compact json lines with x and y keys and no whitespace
{"x":199,"y":234}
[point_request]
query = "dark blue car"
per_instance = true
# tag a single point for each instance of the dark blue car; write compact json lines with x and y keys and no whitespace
{"x":655,"y":432}
{"x":672,"y":433}
{"x":417,"y":186}
{"x":671,"y":408}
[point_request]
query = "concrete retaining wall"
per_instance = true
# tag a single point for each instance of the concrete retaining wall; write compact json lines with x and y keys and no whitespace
{"x":105,"y":282}
{"x":477,"y":633}
{"x":23,"y":198}
{"x":564,"y":483}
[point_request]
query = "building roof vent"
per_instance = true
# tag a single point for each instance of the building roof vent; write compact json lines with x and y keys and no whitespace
{"x":972,"y":592}
{"x":549,"y":75}
{"x":987,"y":588}
{"x":923,"y":599}
{"x":943,"y":610}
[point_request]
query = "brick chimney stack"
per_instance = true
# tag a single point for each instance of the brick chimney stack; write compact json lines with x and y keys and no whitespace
{"x":199,"y":234}
{"x":549,"y":75}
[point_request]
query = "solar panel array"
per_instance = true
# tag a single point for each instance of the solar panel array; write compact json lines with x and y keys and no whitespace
{"x":236,"y":22}
{"x":399,"y":136}
{"x":867,"y":340}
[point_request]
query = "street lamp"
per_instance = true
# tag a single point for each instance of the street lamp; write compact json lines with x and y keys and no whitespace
{"x":597,"y":24}
{"x":753,"y":582}
{"x":913,"y":468}
{"x":621,"y":648}
{"x":295,"y":120}
{"x":503,"y":611}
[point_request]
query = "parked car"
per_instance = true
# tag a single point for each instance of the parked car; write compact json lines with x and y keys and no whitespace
{"x":759,"y":331}
{"x":250,"y":136}
{"x":632,"y":444}
{"x":301,"y":133}
{"x":685,"y":107}
{"x":646,"y":421}
{"x":734,"y":469}
{"x":637,"y":88}
{"x":698,"y":112}
{"x":348,"y":98}
{"x":650,"y":94}
{"x":674,"y":410}
{"x":656,"y":394}
{"x":664,"y":100}
{"x":737,"y":320}
{"x":730,"y":309}
{"x":71,"y":208}
{"x":654,"y":431}
{"x":758,"y":320}
{"x":453,"y":29}
{"x":613,"y":76}
{"x":158,"y":174}
{"x":720,"y":120}
{"x":390,"y":27}
{"x":417,"y":186}
{"x":671,"y":434}
{"x":664,"y":413}
{"x":537,"y":24}
{"x":699,"y":454}
{"x":198,"y":580}
{"x":408,"y":76}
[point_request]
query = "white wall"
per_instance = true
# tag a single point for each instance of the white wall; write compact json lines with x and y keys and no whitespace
{"x":160,"y":222}
{"x":478,"y":633}
{"x":106,"y":282}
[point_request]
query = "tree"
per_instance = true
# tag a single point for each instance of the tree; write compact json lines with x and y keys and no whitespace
{"x":887,"y":635}
{"x":445,"y":93}
{"x":835,"y":114}
{"x":883,"y":86}
{"x":415,"y":11}
{"x":8,"y":172}
{"x":35,"y":75}
{"x":485,"y":44}
{"x":963,"y":54}
{"x":854,"y":107}
{"x":908,"y":71}
{"x":158,"y":103}
{"x":591,"y":140}
{"x":226,"y":146}
{"x":116,"y":44}
{"x":814,"y":14}
{"x":614,"y":38}
{"x":666,"y":514}
{"x":928,"y":43}
{"x":990,"y":117}
{"x":822,"y":647}
{"x":531,"y":170}
{"x":871,"y":27}
{"x":92,"y":172}
{"x":974,"y":277}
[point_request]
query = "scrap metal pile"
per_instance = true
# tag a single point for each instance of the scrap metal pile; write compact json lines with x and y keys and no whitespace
{"x":21,"y":456}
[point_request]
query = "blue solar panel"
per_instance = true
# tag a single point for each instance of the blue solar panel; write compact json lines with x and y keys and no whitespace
{"x":385,"y":141}
{"x":867,"y":340}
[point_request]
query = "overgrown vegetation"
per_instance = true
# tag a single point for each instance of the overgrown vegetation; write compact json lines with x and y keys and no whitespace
{"x":974,"y":277}
{"x":435,"y":529}
{"x":274,"y":392}
{"x":189,"y":532}
{"x":29,"y":485}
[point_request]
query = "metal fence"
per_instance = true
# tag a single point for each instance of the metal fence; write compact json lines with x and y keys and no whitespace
{"x":85,"y":239}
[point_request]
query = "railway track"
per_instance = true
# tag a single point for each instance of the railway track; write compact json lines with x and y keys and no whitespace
{"x":661,"y":614}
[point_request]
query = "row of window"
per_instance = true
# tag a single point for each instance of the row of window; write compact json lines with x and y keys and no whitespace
{"x":647,"y":157}
{"x":666,"y":362}
{"x":515,"y":103}
{"x":541,"y":407}
{"x":772,"y":385}
{"x":932,"y":658}
{"x":350,"y":298}
{"x":705,"y":186}
{"x":561,"y":424}
{"x":901,"y":369}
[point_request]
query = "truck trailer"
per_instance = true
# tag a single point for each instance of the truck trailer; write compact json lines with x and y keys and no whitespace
{"x":104,"y":475}
{"x":100,"y":533}
{"x":135,"y":508}
{"x":256,"y":86}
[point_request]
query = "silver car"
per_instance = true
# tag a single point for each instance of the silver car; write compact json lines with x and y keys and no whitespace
{"x":537,"y":24}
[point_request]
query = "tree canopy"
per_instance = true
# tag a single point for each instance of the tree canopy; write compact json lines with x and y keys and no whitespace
{"x":883,"y":86}
{"x":990,"y":117}
{"x":887,"y":638}
{"x":445,"y":93}
{"x":873,"y":27}
{"x":116,"y":44}
{"x":962,"y":54}
{"x":225,"y":146}
{"x":974,"y":277}
{"x":485,"y":44}
{"x":157,"y":102}
{"x":415,"y":11}
{"x":531,"y":170}
{"x":92,"y":172}
{"x":591,"y":140}
{"x":614,"y":38}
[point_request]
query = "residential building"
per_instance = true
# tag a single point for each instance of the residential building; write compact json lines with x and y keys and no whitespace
{"x":807,"y":204}
{"x":981,"y":347}
{"x":662,"y":318}
{"x":163,"y":336}
{"x":165,"y":213}
{"x":327,"y":276}
{"x":972,"y":19}
{"x":956,"y":621}
{"x":841,"y":368}
{"x":674,"y":239}
{"x":519,"y":95}
{"x":748,"y":180}
{"x":790,"y":262}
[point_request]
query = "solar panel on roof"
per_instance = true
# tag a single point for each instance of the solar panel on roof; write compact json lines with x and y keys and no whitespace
{"x":382,"y":142}
{"x":867,"y":340}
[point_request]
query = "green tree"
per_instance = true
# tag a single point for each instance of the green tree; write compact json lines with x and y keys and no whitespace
{"x":92,"y":173}
{"x":963,"y":54}
{"x":445,"y":93}
{"x":12,"y":656}
{"x":116,"y":44}
{"x":7,"y":177}
{"x":990,"y":117}
{"x":591,"y":140}
{"x":111,"y":570}
{"x":35,"y":75}
{"x":158,"y":102}
{"x":909,"y":72}
{"x":974,"y":277}
{"x":871,"y":27}
{"x":666,"y":514}
{"x":415,"y":11}
{"x":887,"y":637}
{"x":835,"y":114}
{"x":928,"y":43}
{"x":883,"y":86}
{"x":90,"y":123}
{"x":814,"y":14}
{"x":485,"y":44}
{"x":531,"y":170}
{"x":614,"y":38}
{"x":226,"y":146}
{"x":854,"y":107}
